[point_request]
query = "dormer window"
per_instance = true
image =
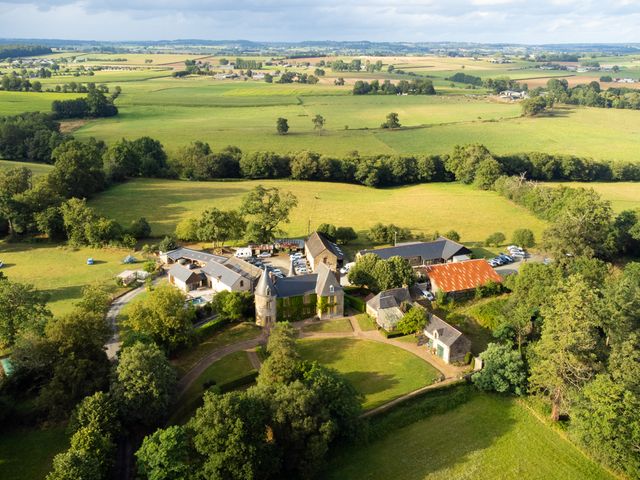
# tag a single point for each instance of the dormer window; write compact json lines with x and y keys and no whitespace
{"x":331,"y":289}
{"x":268,"y":292}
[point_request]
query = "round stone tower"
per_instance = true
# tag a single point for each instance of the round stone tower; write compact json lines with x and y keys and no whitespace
{"x":265,"y":299}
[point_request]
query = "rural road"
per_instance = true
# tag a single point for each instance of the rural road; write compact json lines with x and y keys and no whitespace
{"x":113,"y":345}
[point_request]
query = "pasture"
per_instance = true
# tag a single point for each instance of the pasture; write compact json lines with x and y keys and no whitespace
{"x":487,"y":438}
{"x":379,"y":371}
{"x":61,"y":271}
{"x":38,"y":169}
{"x":622,"y":195}
{"x":423,"y":208}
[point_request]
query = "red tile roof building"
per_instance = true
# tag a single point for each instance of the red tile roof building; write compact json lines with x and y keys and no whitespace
{"x":461,"y":276}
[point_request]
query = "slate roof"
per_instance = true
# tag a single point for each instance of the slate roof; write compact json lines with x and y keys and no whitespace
{"x":440,"y":249}
{"x":389,"y":299}
{"x":446,"y":333}
{"x":243,"y":268}
{"x":191,"y":254}
{"x":184,"y":274}
{"x":317,"y":242}
{"x":222,"y":273}
{"x":265,"y":285}
{"x":296,"y":286}
{"x":326,"y":280}
{"x":460,"y":276}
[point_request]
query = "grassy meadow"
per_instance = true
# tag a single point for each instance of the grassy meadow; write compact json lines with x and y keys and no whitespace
{"x":489,"y":437}
{"x":61,"y":271}
{"x":379,"y":371}
{"x":178,"y":111}
{"x":622,"y":195}
{"x":422,"y":208}
{"x":38,"y":169}
{"x":27,"y":454}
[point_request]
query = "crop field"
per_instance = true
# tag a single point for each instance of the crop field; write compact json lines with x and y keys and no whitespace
{"x":488,"y":437}
{"x":380,"y":372}
{"x":424,"y":208}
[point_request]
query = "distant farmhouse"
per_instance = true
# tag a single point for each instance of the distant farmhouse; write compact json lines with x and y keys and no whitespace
{"x":297,"y":297}
{"x":192,"y":270}
{"x":445,"y":341}
{"x":320,"y":250}
{"x":441,"y":250}
{"x":458,"y":278}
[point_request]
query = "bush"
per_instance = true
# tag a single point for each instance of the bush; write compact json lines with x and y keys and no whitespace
{"x":495,"y":239}
{"x":523,"y":237}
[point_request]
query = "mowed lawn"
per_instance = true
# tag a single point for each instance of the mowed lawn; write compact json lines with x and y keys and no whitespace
{"x":424,"y":208}
{"x":13,"y":103}
{"x":622,"y":195}
{"x":61,"y":271}
{"x":487,"y":438}
{"x":26,"y":454}
{"x":379,"y":371}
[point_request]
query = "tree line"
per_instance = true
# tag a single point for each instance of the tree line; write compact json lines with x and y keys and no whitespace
{"x":418,"y":86}
{"x":9,"y":51}
{"x":591,"y":95}
{"x":569,"y":332}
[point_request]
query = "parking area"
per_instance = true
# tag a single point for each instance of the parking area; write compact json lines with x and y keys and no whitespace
{"x":514,"y":267}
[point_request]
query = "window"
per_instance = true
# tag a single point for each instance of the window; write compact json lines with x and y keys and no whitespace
{"x":331,"y":289}
{"x":242,"y":283}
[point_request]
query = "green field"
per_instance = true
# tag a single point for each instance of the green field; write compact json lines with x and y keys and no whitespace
{"x":228,"y":335}
{"x":423,"y":208}
{"x":622,"y":195}
{"x":13,"y":103}
{"x":487,"y":438}
{"x":379,"y":371}
{"x":27,"y":454}
{"x":61,"y":271}
{"x":227,"y":369}
{"x":38,"y":169}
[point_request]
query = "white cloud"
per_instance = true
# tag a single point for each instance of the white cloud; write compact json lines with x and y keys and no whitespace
{"x":517,"y":21}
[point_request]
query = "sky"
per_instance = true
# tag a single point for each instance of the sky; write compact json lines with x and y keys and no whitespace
{"x":484,"y":21}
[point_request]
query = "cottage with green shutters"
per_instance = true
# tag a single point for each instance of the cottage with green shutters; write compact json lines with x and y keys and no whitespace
{"x":298,"y":297}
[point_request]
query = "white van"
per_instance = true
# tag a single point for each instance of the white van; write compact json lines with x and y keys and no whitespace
{"x":244,"y":252}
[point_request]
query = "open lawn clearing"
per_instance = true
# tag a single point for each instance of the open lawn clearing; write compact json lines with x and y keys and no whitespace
{"x":228,"y":335}
{"x":26,"y":454}
{"x":228,"y":369}
{"x":38,"y":169}
{"x":13,"y":103}
{"x":61,"y":271}
{"x":605,"y":134}
{"x":366,"y":323}
{"x":379,"y":371}
{"x":341,"y":325}
{"x":424,"y":208}
{"x":487,"y":438}
{"x":622,"y":195}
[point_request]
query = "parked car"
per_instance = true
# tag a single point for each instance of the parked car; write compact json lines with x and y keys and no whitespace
{"x":506,"y":258}
{"x":518,"y":253}
{"x":264,"y":255}
{"x":428,"y":295}
{"x":277,"y":271}
{"x":296,"y":255}
{"x":301,"y":270}
{"x":279,"y":275}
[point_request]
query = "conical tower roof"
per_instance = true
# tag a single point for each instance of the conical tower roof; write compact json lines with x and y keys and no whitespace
{"x":265,"y":286}
{"x":292,"y":270}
